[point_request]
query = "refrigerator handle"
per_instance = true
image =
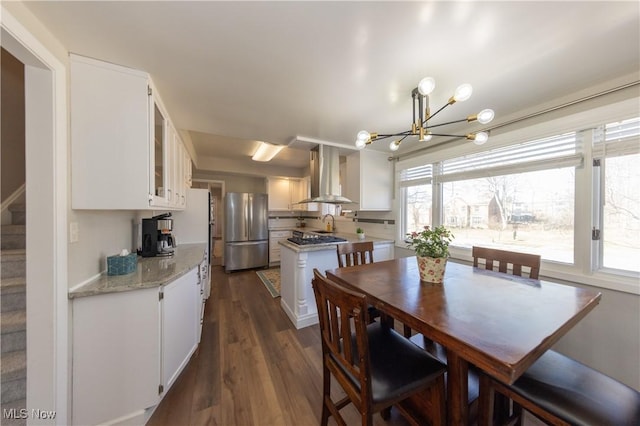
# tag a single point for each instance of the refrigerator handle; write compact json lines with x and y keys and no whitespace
{"x":246,"y":215}
{"x":249,"y":216}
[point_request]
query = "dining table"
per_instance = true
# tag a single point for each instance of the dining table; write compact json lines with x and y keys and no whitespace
{"x":499,"y":323}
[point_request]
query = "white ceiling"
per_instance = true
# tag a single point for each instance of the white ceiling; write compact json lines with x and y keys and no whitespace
{"x":233,"y":73}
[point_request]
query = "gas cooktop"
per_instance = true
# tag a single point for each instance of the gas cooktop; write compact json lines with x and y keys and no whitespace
{"x":309,"y":239}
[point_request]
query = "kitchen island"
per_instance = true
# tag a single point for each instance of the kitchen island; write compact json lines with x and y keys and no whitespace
{"x":297,"y":263}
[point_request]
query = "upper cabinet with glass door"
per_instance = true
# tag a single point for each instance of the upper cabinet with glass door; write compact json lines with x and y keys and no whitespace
{"x":122,"y":154}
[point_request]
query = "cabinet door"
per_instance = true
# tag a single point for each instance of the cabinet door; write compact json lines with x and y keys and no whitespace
{"x":109,"y":136}
{"x":116,"y":355}
{"x":370,"y":180}
{"x":304,"y":192}
{"x":181,"y":306}
{"x":383,"y":252}
{"x":160,"y":155}
{"x":279,"y":194}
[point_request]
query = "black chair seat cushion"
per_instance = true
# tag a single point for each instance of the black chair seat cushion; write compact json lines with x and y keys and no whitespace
{"x":397,"y":366}
{"x":440,"y":353}
{"x":578,"y":394}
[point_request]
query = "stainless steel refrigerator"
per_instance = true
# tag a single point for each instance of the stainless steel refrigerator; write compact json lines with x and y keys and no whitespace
{"x":246,"y":231}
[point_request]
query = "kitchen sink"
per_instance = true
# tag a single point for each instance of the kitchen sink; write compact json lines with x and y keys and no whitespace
{"x":322,"y":232}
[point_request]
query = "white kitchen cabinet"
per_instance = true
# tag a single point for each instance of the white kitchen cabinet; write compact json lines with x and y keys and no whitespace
{"x":383,"y":251}
{"x":116,"y":355}
{"x":274,"y":247}
{"x":279,"y":194}
{"x":121,"y":139}
{"x":369,"y":180}
{"x":285,"y":193}
{"x":304,"y":192}
{"x":129,"y":347}
{"x":181,"y":307}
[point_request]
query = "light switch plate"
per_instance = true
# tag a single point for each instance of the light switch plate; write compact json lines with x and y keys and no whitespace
{"x":74,"y":232}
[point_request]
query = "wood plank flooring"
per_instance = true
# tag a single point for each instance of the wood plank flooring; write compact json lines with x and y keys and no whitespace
{"x":252,"y":366}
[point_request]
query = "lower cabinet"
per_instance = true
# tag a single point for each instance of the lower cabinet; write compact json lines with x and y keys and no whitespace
{"x":383,"y":251}
{"x":274,"y":248}
{"x":181,"y":305}
{"x":129,"y":347}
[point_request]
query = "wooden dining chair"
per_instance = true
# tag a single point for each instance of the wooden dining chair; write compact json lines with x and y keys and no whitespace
{"x":562,"y":391}
{"x":376,"y":366}
{"x":350,"y":254}
{"x":506,"y":261}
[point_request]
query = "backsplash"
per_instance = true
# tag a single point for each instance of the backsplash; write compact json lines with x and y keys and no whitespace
{"x":374,"y":224}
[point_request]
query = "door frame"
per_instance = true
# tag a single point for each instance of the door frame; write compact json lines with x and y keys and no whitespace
{"x":46,"y":151}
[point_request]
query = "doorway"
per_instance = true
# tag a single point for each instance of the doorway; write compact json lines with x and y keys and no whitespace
{"x":216,"y":188}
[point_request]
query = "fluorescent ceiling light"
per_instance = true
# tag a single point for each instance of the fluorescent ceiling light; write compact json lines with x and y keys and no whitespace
{"x":266,"y":152}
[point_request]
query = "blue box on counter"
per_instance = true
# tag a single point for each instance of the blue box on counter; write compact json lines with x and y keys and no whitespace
{"x":121,"y":265}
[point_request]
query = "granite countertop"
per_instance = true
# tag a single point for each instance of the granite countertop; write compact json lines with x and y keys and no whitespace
{"x":351,"y":238}
{"x":150,"y":272}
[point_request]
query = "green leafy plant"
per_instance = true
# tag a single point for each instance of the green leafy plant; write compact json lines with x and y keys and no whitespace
{"x":359,"y":231}
{"x":431,"y":242}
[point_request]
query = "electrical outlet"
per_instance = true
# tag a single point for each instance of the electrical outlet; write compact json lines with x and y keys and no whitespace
{"x":74,"y":232}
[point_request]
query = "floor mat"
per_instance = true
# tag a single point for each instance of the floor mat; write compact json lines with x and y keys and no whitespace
{"x":271,"y":280}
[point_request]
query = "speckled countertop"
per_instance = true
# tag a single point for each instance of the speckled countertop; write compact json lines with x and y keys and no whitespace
{"x":351,"y":238}
{"x":151,"y":272}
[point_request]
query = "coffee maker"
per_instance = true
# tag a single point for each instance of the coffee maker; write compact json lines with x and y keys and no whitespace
{"x":157,"y":239}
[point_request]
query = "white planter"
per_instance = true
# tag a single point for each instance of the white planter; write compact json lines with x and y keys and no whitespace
{"x":360,"y":236}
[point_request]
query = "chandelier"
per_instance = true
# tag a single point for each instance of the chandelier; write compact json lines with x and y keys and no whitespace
{"x":421,"y":115}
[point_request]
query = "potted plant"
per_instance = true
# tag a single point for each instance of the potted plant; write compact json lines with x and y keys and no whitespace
{"x":360,"y":233}
{"x":432,"y":251}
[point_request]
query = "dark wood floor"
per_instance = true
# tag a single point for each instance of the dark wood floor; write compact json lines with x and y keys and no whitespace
{"x":252,"y":367}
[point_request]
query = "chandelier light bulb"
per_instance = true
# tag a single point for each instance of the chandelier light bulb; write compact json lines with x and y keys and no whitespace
{"x":360,"y":143}
{"x":426,"y":138}
{"x":394,"y":145}
{"x":485,"y":116}
{"x":426,"y":86}
{"x":480,"y":138}
{"x":363,"y":136}
{"x":463,"y":92}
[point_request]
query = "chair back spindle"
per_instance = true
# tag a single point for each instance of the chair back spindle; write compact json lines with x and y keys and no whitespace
{"x":501,"y":259}
{"x":351,"y":254}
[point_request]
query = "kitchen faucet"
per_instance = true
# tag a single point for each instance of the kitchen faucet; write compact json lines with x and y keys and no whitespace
{"x":333,"y":221}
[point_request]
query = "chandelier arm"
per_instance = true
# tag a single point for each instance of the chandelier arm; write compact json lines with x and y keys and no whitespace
{"x":444,"y":124}
{"x":435,"y":113}
{"x":405,"y":134}
{"x":447,"y":135}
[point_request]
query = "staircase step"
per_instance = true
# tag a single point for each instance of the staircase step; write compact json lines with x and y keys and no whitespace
{"x":13,"y":325}
{"x":14,"y":376}
{"x":13,"y":417}
{"x":13,"y":263}
{"x":18,"y":213}
{"x":13,"y":321}
{"x":12,"y":342}
{"x":13,"y":237}
{"x":14,"y":366}
{"x":13,"y":295}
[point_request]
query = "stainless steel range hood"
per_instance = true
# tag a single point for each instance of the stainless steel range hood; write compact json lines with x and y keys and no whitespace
{"x":325,"y":176}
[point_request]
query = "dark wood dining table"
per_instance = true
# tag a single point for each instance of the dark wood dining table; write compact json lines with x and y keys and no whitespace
{"x":498,"y":322}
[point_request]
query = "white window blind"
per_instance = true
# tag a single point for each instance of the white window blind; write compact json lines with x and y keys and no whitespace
{"x":620,"y":138}
{"x":419,"y":175}
{"x":552,"y":152}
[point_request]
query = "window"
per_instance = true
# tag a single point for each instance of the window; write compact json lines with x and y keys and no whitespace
{"x":417,"y":198}
{"x":620,"y":176}
{"x":527,"y":212}
{"x":572,"y":197}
